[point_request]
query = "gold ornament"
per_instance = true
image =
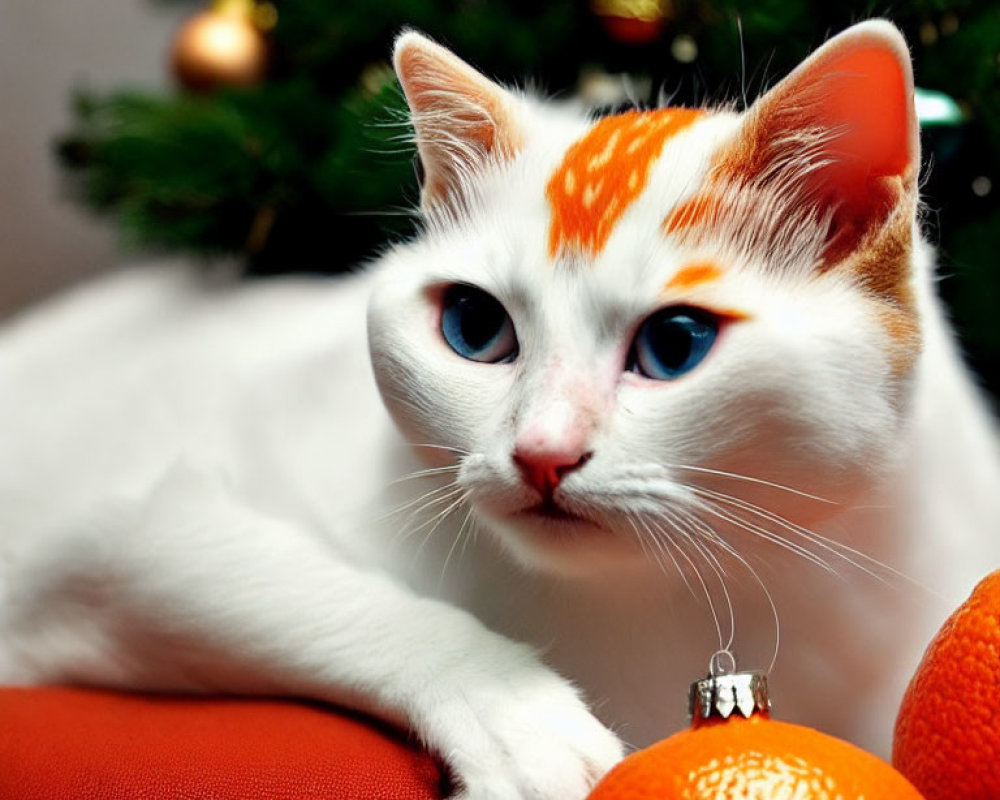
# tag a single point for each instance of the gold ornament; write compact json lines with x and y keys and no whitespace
{"x":633,"y":21}
{"x":224,"y":46}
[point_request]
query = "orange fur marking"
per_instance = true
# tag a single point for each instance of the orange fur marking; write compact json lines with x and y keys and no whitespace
{"x":696,"y":274}
{"x":604,"y":172}
{"x":699,"y":210}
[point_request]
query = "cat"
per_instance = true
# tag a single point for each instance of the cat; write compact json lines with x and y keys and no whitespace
{"x":642,"y":388}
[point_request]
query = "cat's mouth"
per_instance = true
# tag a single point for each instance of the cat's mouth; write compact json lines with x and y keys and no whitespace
{"x":549,"y":515}
{"x":548,"y":510}
{"x":548,"y":535}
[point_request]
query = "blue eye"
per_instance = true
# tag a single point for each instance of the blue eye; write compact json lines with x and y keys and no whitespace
{"x":476,"y":326}
{"x":671,"y":342}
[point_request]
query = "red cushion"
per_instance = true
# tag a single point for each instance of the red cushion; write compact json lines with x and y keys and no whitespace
{"x":98,"y":745}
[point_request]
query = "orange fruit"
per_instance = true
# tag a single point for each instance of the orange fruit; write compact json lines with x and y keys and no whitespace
{"x":755,"y":758}
{"x":947,"y":739}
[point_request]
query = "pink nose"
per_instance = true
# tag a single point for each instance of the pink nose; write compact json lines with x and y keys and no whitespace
{"x":543,"y":471}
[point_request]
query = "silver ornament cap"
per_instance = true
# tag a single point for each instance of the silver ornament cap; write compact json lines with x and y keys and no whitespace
{"x":725,"y":691}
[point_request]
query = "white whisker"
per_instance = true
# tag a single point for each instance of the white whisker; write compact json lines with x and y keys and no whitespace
{"x":473,"y":533}
{"x":720,"y":574}
{"x":638,"y":536}
{"x":435,"y":521}
{"x":662,"y":550}
{"x":735,"y":554}
{"x":749,"y":479}
{"x":697,"y":539}
{"x":715,"y":509}
{"x":774,"y":609}
{"x":406,"y":531}
{"x":459,"y":536}
{"x":428,"y":498}
{"x":711,"y":537}
{"x":424,"y":473}
{"x":460,"y":451}
{"x":705,"y":530}
{"x":664,"y":539}
{"x":852,"y":556}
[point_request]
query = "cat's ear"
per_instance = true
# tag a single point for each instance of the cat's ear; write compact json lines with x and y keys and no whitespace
{"x":844,"y":123}
{"x":461,"y":118}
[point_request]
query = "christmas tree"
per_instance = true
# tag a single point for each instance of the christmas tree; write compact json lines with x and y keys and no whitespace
{"x":285,"y":143}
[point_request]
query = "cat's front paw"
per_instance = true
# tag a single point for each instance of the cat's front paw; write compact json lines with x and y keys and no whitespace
{"x":522,"y":733}
{"x":550,"y":751}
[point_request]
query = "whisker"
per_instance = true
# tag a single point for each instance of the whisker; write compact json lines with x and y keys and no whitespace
{"x":473,"y":533}
{"x":703,"y":537}
{"x":424,"y":473}
{"x":665,"y":538}
{"x":851,"y":555}
{"x":695,"y":539}
{"x":638,"y":536}
{"x":716,"y":510}
{"x":436,"y":520}
{"x":749,"y":479}
{"x":656,"y":556}
{"x":410,"y":214}
{"x":774,"y":609}
{"x":427,"y":497}
{"x":713,"y":537}
{"x":460,"y":535}
{"x":720,"y":573}
{"x":449,"y":448}
{"x":661,"y":550}
{"x":705,"y":530}
{"x":406,"y":531}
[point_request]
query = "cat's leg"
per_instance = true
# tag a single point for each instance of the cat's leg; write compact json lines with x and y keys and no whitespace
{"x":198,"y":591}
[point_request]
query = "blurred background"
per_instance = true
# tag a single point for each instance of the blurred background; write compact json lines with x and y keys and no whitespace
{"x":272,"y":133}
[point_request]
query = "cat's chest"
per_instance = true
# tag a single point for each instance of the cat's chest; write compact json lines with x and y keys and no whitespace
{"x":839,"y":649}
{"x":633,"y":641}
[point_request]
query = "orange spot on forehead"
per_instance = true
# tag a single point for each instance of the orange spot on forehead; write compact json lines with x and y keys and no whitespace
{"x":604,"y":172}
{"x":692,"y":275}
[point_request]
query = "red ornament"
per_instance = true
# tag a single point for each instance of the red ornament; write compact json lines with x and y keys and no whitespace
{"x":633,"y":21}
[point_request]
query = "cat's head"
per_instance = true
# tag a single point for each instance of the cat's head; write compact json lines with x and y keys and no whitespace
{"x":629,"y":332}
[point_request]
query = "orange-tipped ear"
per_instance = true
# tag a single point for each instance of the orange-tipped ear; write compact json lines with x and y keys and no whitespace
{"x":462,"y":119}
{"x":847,"y":115}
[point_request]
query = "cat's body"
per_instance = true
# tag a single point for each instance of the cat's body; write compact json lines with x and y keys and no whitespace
{"x":200,"y":488}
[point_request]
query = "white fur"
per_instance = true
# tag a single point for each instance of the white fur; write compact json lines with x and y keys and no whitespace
{"x":201,"y":490}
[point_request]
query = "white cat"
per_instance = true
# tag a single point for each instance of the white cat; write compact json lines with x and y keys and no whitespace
{"x":660,"y":381}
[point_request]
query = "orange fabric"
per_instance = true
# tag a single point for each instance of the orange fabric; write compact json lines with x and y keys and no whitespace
{"x":604,"y":172}
{"x":80,"y":744}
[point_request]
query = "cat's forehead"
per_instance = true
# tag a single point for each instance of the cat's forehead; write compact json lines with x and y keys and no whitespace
{"x":585,"y":207}
{"x":603,"y":172}
{"x":612,"y":188}
{"x":586,"y":203}
{"x":626,"y":173}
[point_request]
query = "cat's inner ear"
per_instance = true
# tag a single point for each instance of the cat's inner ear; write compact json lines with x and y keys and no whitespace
{"x":843,"y":124}
{"x":462,"y":119}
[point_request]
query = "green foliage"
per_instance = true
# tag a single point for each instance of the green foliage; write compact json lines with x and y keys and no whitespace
{"x":278,"y":175}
